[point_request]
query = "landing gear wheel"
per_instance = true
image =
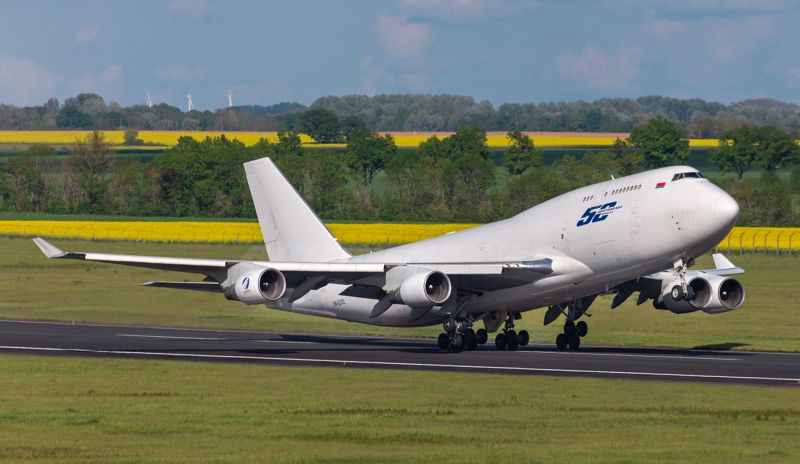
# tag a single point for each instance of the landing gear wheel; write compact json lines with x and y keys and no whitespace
{"x":524,"y":337}
{"x":449,"y":325}
{"x":443,"y":341}
{"x":561,"y":342}
{"x":569,"y":327}
{"x":500,"y":341}
{"x":677,"y":293}
{"x":482,"y":336}
{"x":457,"y":342}
{"x":574,"y":342}
{"x":582,"y":328}
{"x":470,"y":342}
{"x":512,"y":340}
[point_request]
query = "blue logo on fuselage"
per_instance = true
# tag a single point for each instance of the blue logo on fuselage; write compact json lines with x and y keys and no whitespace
{"x":597,"y":213}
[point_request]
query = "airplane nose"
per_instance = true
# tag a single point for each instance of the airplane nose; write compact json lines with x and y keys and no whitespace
{"x":726,"y":210}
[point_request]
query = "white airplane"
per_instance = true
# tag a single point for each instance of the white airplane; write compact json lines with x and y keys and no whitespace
{"x":638,"y":233}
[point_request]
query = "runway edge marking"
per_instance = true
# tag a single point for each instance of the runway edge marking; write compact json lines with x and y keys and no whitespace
{"x":397,"y":364}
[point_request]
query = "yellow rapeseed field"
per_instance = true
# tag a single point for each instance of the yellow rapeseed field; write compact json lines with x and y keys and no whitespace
{"x":740,"y":239}
{"x":402,"y":139}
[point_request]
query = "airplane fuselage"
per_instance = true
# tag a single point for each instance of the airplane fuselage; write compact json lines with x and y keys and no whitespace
{"x":608,"y":233}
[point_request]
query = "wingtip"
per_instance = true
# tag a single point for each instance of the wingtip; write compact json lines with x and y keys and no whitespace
{"x":49,"y":250}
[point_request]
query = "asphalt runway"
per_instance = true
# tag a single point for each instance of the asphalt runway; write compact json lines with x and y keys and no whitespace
{"x":395,"y":353}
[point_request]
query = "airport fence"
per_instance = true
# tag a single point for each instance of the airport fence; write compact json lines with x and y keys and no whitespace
{"x":759,"y":240}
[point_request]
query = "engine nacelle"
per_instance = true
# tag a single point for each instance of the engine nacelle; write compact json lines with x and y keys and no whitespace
{"x":258,"y":285}
{"x":422,"y":288}
{"x":726,"y":294}
{"x":710,"y":293}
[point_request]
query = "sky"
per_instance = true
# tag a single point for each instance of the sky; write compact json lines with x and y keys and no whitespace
{"x":265,"y":52}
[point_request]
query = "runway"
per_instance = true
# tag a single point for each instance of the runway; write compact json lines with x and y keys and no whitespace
{"x":65,"y":339}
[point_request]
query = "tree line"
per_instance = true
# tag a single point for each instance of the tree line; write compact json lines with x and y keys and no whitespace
{"x":452,"y":179}
{"x":409,"y":112}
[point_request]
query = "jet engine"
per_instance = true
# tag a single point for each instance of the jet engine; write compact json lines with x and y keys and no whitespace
{"x":255,"y":285}
{"x":710,"y":293}
{"x":424,"y":289}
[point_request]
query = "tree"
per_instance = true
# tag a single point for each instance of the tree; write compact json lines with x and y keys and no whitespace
{"x":367,"y":153}
{"x":747,"y":147}
{"x":738,"y":151}
{"x":70,"y":117}
{"x":628,"y":160}
{"x":28,"y":173}
{"x":522,"y":154}
{"x":132,"y":137}
{"x":90,"y":161}
{"x":321,"y":124}
{"x":352,"y":125}
{"x":661,"y":143}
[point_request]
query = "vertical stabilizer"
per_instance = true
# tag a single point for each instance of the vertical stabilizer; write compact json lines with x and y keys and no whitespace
{"x":292,"y":232}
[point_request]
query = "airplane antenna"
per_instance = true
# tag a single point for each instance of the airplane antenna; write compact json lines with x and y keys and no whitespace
{"x":612,"y":176}
{"x":230,"y":99}
{"x":149,"y":100}
{"x":189,"y":97}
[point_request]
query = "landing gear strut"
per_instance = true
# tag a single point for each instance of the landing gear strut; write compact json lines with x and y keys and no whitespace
{"x":458,"y":335}
{"x":509,"y":338}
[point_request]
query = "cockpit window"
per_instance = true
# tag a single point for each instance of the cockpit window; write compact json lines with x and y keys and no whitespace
{"x":685,"y":175}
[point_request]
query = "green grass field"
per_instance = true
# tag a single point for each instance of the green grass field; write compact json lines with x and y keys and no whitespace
{"x":67,"y":290}
{"x":114,"y":410}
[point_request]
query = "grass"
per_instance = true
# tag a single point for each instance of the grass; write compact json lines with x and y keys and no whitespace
{"x":59,"y":409}
{"x":68,"y":290}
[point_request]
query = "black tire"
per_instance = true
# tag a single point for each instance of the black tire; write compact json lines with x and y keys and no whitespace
{"x":449,"y":325}
{"x":512,"y":340}
{"x":482,"y":336}
{"x":443,"y":341}
{"x":561,"y":342}
{"x":457,"y":342}
{"x":569,"y":327}
{"x":524,"y":337}
{"x":500,"y":341}
{"x":472,"y":343}
{"x":574,"y":342}
{"x":677,"y":293}
{"x":582,"y":328}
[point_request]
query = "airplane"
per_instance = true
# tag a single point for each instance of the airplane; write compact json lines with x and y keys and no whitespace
{"x":638,"y":233}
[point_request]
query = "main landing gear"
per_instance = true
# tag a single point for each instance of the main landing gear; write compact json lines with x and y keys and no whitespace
{"x":571,"y":338}
{"x":509,"y":338}
{"x":459,"y":335}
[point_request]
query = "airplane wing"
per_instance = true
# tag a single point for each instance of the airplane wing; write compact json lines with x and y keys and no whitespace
{"x":476,"y":277}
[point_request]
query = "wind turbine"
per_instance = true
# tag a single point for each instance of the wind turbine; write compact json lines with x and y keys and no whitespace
{"x":230,"y":98}
{"x":149,"y":100}
{"x":189,"y":97}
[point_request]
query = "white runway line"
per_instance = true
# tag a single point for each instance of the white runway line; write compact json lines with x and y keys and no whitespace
{"x":345,"y":362}
{"x":170,"y":337}
{"x":627,"y":355}
{"x":214,"y":339}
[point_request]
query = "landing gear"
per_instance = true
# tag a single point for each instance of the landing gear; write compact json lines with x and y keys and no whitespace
{"x":509,"y":338}
{"x":481,"y":336}
{"x":571,"y":338}
{"x":458,"y":335}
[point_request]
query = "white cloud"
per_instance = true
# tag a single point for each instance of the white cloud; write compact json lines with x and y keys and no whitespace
{"x":181,"y":73}
{"x":401,"y":38}
{"x":595,"y":68}
{"x":105,"y":84}
{"x":86,"y":35}
{"x":459,"y":10}
{"x":372,"y":76}
{"x":793,"y":72}
{"x":194,"y":10}
{"x":23,"y":82}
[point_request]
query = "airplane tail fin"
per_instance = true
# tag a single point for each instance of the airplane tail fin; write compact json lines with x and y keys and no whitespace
{"x":292,"y":232}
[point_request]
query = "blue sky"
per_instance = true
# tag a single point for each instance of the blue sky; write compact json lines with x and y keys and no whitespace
{"x":497,"y":50}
